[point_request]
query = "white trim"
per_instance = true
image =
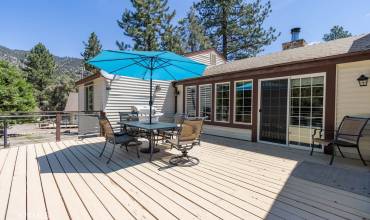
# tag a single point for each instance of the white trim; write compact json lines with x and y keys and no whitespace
{"x":288,"y":107}
{"x":186,"y":97}
{"x":215,"y":103}
{"x":204,"y":85}
{"x":234,"y":103}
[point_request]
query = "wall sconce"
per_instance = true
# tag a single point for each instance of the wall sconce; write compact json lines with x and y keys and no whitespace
{"x":177,"y":92}
{"x":362,"y":80}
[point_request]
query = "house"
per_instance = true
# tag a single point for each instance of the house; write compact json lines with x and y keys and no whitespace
{"x":100,"y":92}
{"x":281,"y":97}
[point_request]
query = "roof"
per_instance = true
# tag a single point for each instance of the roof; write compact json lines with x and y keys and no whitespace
{"x":72,"y":102}
{"x":88,"y":78}
{"x":204,"y":51}
{"x":309,"y":52}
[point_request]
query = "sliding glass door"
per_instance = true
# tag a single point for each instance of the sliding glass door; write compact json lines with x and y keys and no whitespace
{"x":306,"y":109}
{"x":291,"y":108}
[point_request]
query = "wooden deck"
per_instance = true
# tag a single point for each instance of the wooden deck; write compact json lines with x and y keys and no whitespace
{"x":67,"y":180}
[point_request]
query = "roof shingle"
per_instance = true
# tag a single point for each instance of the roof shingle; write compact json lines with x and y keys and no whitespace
{"x":321,"y":50}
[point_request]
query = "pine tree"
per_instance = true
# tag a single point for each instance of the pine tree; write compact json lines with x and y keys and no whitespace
{"x":192,"y":33}
{"x":336,"y":32}
{"x":92,"y":48}
{"x":146,"y":23}
{"x":40,"y":67}
{"x":16,"y":94}
{"x":236,"y":28}
{"x":171,"y":38}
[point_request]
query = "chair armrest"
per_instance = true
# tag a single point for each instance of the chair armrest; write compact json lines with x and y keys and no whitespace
{"x":321,"y":130}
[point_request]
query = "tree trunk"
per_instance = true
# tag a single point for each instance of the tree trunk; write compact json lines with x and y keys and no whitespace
{"x":224,"y":32}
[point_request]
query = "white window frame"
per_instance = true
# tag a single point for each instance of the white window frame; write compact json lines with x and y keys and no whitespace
{"x":234,"y":104}
{"x":86,"y":94}
{"x":199,"y":111}
{"x":215,"y":103}
{"x":186,"y":100}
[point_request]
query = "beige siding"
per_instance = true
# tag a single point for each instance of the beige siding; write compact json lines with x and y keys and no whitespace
{"x":205,"y":58}
{"x":126,"y":92}
{"x":353,"y":100}
{"x":180,"y":99}
{"x":81,"y":98}
{"x":99,"y":94}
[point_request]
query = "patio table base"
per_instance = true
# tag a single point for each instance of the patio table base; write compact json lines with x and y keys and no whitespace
{"x":147,"y":150}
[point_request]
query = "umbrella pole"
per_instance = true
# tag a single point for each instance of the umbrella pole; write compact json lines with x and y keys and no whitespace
{"x":151,"y":95}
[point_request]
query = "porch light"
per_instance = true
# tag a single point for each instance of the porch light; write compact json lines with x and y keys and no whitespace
{"x":362,"y":80}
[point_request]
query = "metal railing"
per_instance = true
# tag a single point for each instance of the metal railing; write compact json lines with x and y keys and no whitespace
{"x":23,"y":127}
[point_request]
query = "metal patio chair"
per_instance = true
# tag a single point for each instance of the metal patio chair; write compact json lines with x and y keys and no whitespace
{"x":121,"y":138}
{"x":348,"y":135}
{"x":187,"y":137}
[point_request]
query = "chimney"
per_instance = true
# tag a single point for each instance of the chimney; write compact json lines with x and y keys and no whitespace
{"x":295,"y":41}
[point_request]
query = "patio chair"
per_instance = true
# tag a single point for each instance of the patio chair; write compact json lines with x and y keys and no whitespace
{"x":122,"y":138}
{"x":187,"y":137}
{"x":348,"y":135}
{"x":135,"y":132}
{"x":168,"y":134}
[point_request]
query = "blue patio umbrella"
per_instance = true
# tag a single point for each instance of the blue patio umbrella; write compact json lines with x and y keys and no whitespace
{"x":147,"y":65}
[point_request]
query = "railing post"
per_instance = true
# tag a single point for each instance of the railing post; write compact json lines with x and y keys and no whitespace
{"x":102,"y":114}
{"x":5,"y":133}
{"x":57,"y":132}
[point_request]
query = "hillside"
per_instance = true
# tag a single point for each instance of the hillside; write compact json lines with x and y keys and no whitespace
{"x":67,"y":65}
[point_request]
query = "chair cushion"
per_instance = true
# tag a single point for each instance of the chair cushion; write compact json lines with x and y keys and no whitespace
{"x":187,"y":130}
{"x":124,"y":139}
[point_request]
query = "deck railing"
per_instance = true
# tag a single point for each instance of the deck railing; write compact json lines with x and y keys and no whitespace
{"x":47,"y":126}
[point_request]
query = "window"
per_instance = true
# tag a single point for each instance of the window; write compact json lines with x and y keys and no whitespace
{"x":213,"y":59}
{"x":205,"y":101}
{"x":89,"y":97}
{"x":243,"y":102}
{"x":306,"y":109}
{"x":191,"y":99}
{"x":222,"y":102}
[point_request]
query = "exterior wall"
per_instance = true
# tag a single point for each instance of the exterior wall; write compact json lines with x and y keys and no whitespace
{"x":353,"y":100}
{"x":242,"y":134}
{"x":126,"y":92}
{"x":180,"y":97}
{"x":205,"y":58}
{"x":329,"y":103}
{"x":89,"y":124}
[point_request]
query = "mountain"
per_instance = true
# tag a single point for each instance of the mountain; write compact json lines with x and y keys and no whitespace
{"x":65,"y":65}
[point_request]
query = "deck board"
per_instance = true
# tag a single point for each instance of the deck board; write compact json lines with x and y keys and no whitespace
{"x":234,"y":180}
{"x":6,"y":177}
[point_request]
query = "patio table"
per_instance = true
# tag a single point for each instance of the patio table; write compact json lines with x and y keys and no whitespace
{"x":150,"y":128}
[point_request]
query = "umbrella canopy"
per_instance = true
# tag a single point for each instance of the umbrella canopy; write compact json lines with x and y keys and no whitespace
{"x":147,"y":65}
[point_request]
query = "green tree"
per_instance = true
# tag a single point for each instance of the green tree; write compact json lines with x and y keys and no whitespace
{"x":336,"y":32}
{"x":192,"y":33}
{"x":145,"y":24}
{"x":57,"y":93}
{"x":40,"y":67}
{"x":16,"y":94}
{"x":171,"y":38}
{"x":236,"y":28}
{"x":92,"y":48}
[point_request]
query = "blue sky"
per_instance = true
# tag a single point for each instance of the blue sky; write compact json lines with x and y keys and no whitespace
{"x":63,"y":25}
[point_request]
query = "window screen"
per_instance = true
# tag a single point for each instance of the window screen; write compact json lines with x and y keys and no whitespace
{"x":205,"y":101}
{"x":222,"y":102}
{"x":191,"y":95}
